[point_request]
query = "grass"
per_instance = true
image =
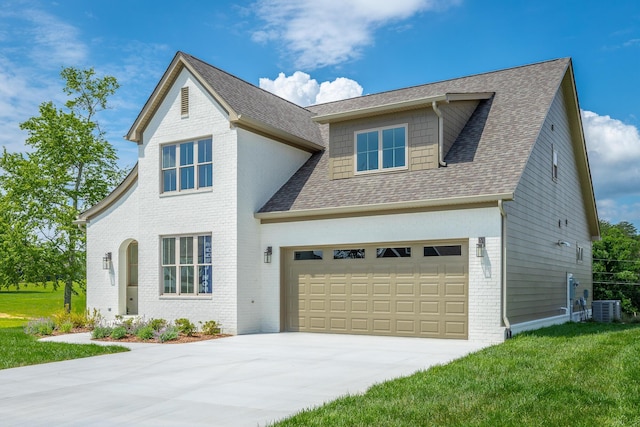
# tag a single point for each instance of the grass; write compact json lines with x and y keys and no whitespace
{"x":573,"y":374}
{"x":31,"y":302}
{"x":20,"y":349}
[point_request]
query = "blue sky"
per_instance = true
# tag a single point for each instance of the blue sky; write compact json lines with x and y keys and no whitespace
{"x":314,"y":51}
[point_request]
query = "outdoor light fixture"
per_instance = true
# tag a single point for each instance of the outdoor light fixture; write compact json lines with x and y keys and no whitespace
{"x":480,"y":247}
{"x":563,"y":243}
{"x":267,"y":255}
{"x":106,"y":261}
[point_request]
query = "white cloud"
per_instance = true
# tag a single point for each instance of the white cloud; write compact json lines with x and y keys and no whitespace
{"x":301,"y":89}
{"x":54,"y":42}
{"x":328,"y":32}
{"x":614,"y":154}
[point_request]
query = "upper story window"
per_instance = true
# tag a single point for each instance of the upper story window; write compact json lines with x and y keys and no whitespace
{"x":187,"y":166}
{"x":381,"y":149}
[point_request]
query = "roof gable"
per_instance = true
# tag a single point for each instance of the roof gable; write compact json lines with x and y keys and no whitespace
{"x":246,"y":105}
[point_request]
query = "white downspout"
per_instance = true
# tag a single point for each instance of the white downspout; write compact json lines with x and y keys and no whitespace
{"x":441,"y":161}
{"x":503,"y":275}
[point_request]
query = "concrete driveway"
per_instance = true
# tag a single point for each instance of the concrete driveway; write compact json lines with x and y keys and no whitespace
{"x":245,"y":380}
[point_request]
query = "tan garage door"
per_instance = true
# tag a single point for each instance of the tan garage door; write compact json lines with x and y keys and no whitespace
{"x":401,"y":289}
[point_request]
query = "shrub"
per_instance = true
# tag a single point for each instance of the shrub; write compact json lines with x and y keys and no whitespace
{"x":78,"y":320}
{"x":157,"y":324}
{"x":185,"y":327}
{"x":210,"y":327}
{"x":93,"y":319}
{"x":145,"y":332}
{"x":65,"y":327}
{"x":119,"y":332}
{"x":168,"y":333}
{"x":42,"y":326}
{"x":100,"y":332}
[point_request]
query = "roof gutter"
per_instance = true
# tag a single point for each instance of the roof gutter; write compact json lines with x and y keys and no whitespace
{"x":381,"y":207}
{"x":441,"y":161}
{"x":503,"y":274}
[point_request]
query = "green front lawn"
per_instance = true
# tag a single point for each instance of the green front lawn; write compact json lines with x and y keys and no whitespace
{"x":574,"y":374}
{"x":36,"y":301}
{"x":20,"y":349}
{"x":31,"y":302}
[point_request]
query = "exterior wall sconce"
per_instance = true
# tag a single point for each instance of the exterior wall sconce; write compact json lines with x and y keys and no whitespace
{"x":106,"y":261}
{"x":480,"y":247}
{"x":267,"y":255}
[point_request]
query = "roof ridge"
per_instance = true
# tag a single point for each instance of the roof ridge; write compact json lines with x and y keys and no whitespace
{"x":445,"y":80}
{"x":242,"y":80}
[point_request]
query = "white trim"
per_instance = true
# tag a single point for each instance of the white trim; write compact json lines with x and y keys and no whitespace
{"x":548,"y":321}
{"x":381,"y":168}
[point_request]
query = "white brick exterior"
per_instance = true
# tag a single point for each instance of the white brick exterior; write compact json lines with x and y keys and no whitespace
{"x":484,"y":273}
{"x":145,"y":215}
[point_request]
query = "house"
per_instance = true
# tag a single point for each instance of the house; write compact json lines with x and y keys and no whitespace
{"x":457,"y":209}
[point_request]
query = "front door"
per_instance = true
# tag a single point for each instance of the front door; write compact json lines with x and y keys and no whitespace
{"x":132,"y":278}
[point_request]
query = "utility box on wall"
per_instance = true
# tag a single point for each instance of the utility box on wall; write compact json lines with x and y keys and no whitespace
{"x":606,"y":310}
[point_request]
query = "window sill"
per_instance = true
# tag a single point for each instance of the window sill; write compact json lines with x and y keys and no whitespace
{"x":207,"y":297}
{"x":379,"y":171}
{"x":185,"y":192}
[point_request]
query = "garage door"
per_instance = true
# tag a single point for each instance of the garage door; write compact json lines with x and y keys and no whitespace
{"x":401,"y":289}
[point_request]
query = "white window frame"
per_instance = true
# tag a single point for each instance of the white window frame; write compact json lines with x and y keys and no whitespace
{"x":195,"y":263}
{"x":177,"y":167}
{"x":380,"y":149}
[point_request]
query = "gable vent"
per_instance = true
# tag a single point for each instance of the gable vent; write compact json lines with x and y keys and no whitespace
{"x":184,"y":101}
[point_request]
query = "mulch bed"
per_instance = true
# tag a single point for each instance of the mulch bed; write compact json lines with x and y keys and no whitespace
{"x":182,"y":339}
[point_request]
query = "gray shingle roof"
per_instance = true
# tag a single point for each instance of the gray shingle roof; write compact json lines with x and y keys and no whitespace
{"x":258,"y":104}
{"x":487,"y":158}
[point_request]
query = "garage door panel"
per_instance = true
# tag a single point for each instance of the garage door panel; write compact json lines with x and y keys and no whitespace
{"x":381,"y":326}
{"x":430,"y":327}
{"x":317,"y":305}
{"x":319,"y":323}
{"x":359,"y":325}
{"x":455,"y":289}
{"x":429,"y":289}
{"x":359,"y":306}
{"x":405,"y":307}
{"x":382,"y":289}
{"x":339,"y":323}
{"x":317,"y":289}
{"x":382,"y":307}
{"x":359,"y":289}
{"x":406,"y":327}
{"x":429,"y":307}
{"x":452,"y":307}
{"x":338,"y":305}
{"x":415,"y":295}
{"x":405,"y":289}
{"x":338,"y":288}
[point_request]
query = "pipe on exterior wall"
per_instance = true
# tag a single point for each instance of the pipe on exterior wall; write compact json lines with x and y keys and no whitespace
{"x":503,"y":274}
{"x":436,"y":110}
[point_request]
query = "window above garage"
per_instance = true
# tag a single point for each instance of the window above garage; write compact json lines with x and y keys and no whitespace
{"x":381,"y":149}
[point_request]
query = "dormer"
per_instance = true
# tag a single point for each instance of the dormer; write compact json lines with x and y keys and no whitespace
{"x":400,"y":136}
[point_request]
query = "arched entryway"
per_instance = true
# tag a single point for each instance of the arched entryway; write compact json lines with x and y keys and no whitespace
{"x":131,"y":280}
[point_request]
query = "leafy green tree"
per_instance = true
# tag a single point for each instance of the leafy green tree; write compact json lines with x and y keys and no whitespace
{"x":616,"y":265}
{"x":70,"y":167}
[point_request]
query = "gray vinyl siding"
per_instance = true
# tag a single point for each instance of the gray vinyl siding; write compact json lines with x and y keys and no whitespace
{"x":545,"y":211}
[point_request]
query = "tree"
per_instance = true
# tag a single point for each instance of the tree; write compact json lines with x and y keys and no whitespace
{"x":70,"y":168}
{"x":616,"y":265}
